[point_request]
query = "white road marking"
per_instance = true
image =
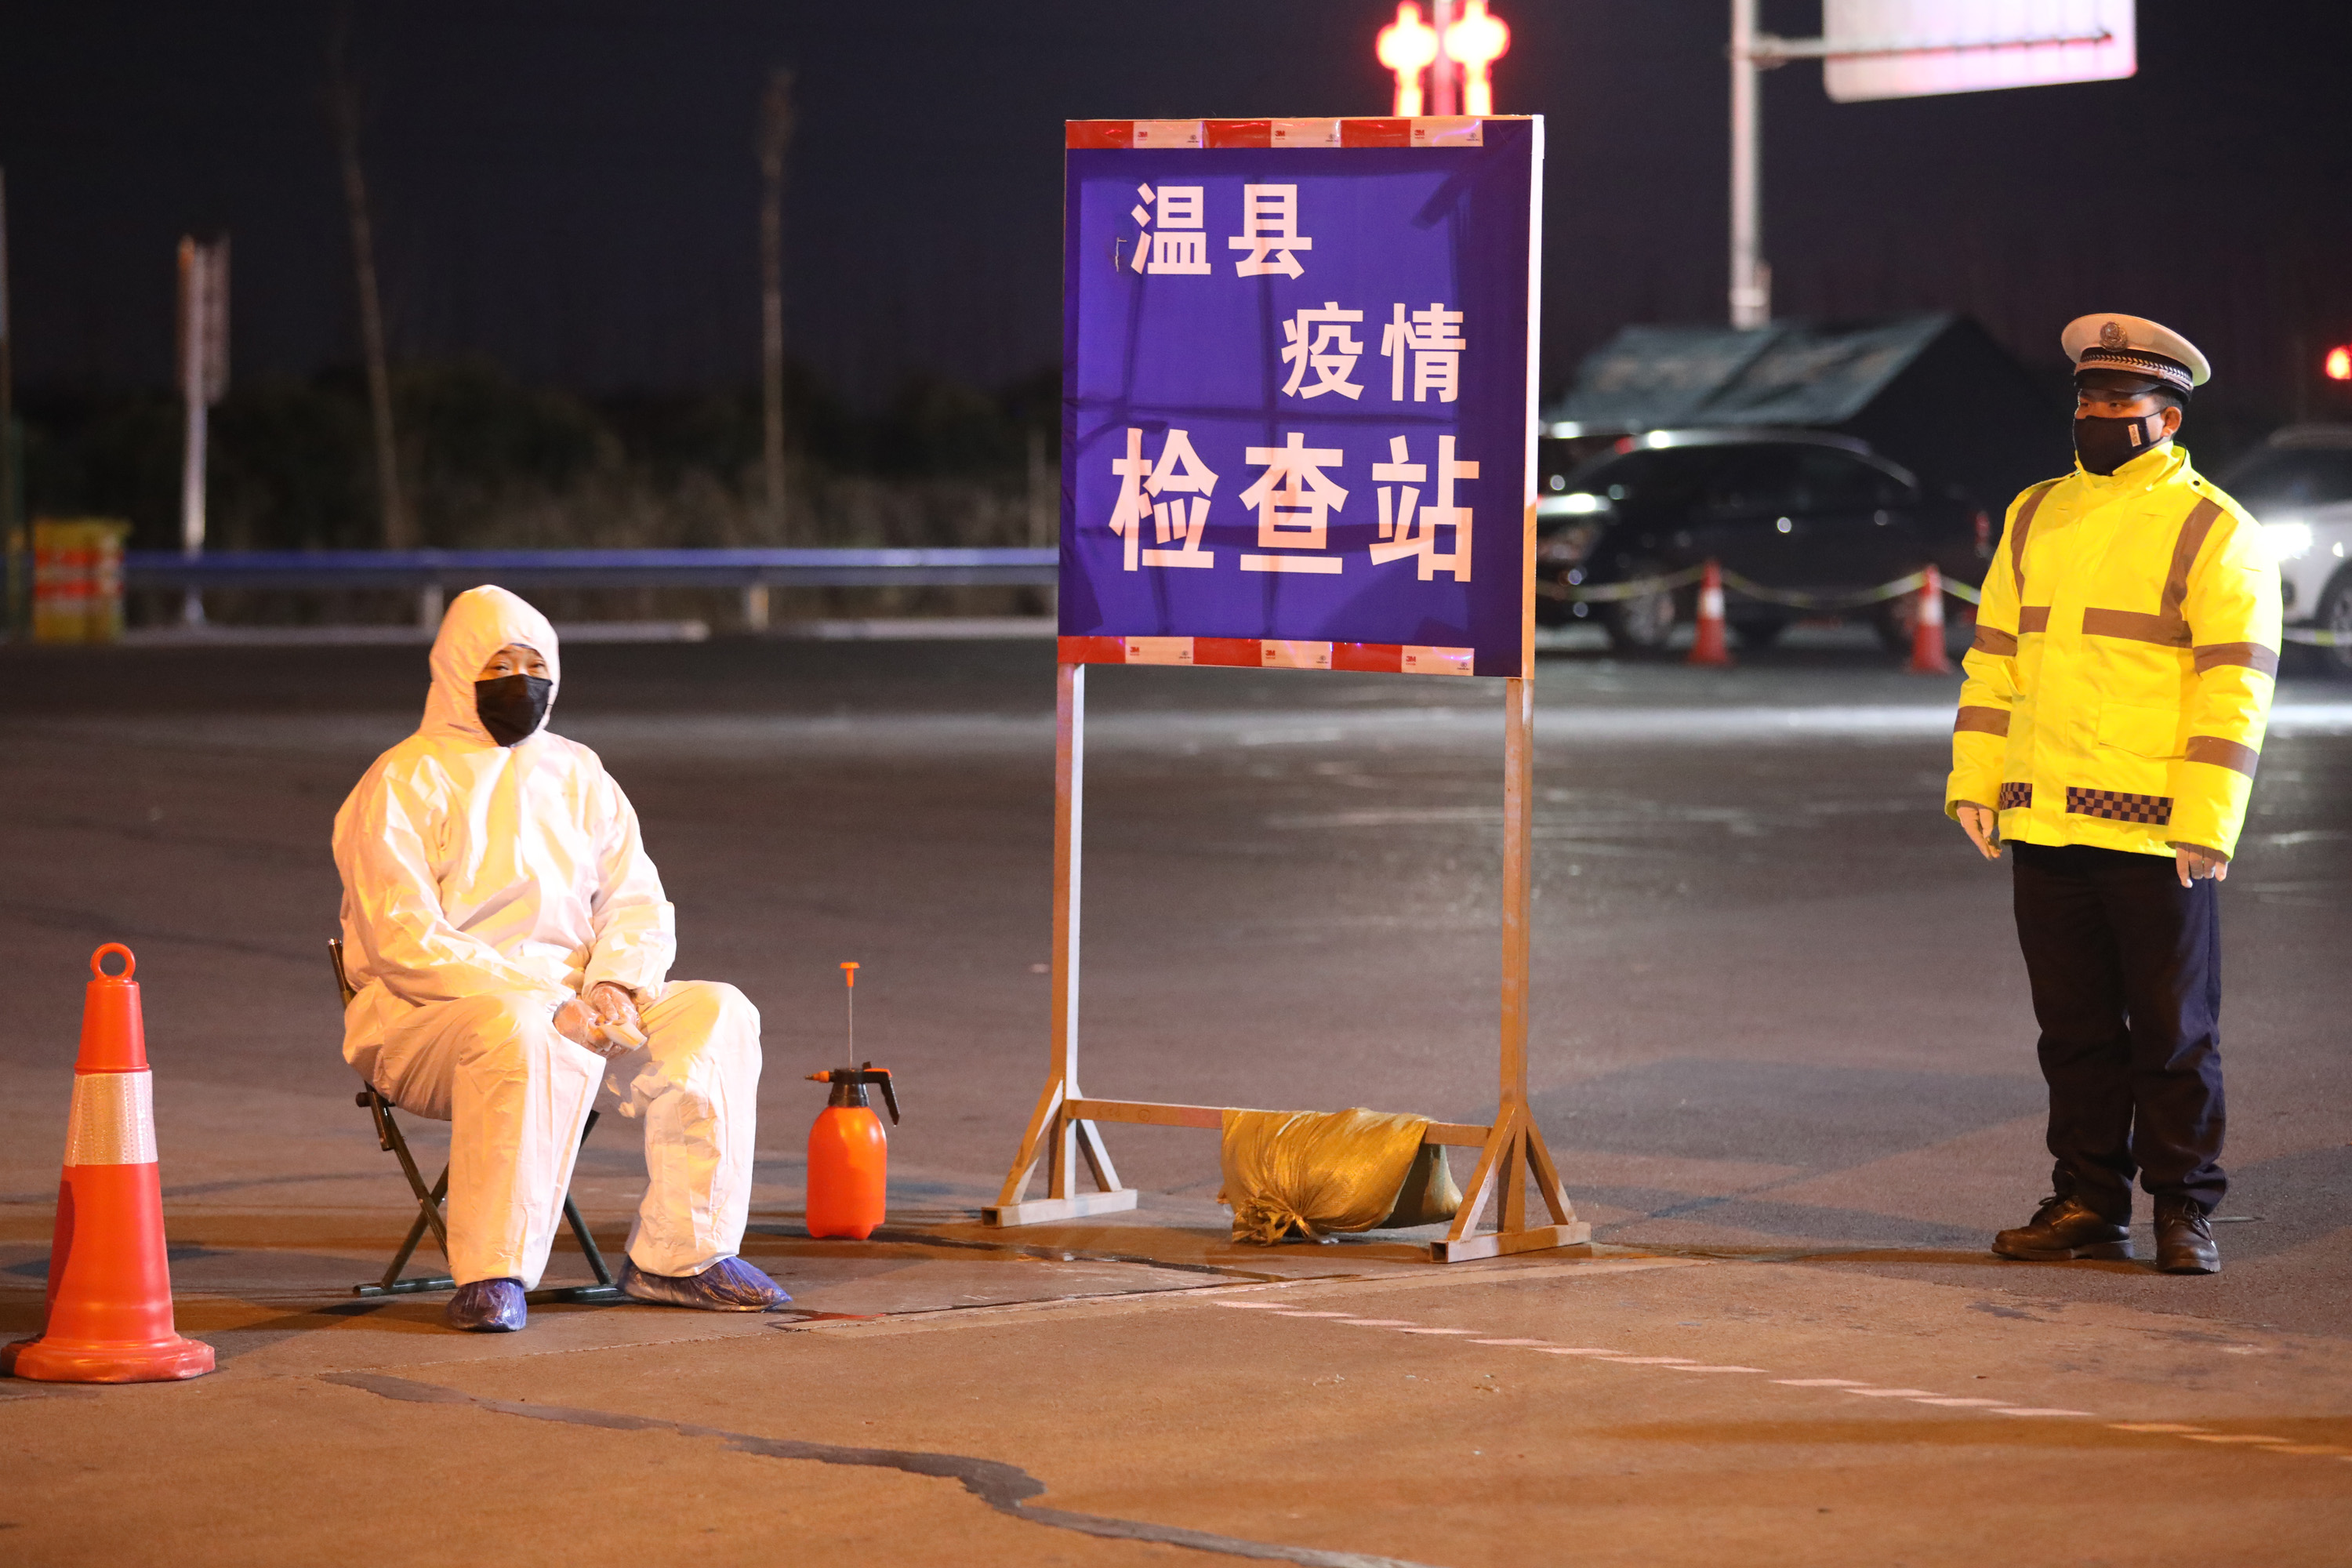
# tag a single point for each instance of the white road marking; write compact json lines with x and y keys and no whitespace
{"x":1975,"y":1404}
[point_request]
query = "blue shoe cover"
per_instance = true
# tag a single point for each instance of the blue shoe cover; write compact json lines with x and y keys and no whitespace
{"x":488,"y":1307}
{"x":730,"y":1285}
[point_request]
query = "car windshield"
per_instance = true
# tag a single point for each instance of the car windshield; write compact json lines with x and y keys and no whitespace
{"x":2278,"y":478}
{"x":1653,"y":476}
{"x":1740,"y":477}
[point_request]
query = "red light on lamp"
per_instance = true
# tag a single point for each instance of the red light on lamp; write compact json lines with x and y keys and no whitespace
{"x":2338,"y":364}
{"x":1477,"y":41}
{"x":1406,"y":46}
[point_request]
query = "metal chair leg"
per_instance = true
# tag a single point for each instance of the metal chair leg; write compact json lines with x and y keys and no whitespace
{"x":604,"y":1289}
{"x":428,"y":1211}
{"x":428,"y":1214}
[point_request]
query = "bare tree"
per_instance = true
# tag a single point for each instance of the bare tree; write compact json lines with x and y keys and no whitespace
{"x":343,"y":103}
{"x":775,"y":139}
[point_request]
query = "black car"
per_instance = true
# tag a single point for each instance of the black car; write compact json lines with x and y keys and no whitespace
{"x":1798,"y":510}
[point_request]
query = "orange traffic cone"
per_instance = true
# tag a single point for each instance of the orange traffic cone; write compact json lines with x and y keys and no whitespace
{"x":110,"y":1310}
{"x":1710,"y":648}
{"x":1927,"y":627}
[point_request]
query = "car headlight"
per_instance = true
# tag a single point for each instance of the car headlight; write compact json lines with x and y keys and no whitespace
{"x":2288,"y":541}
{"x":1569,"y":546}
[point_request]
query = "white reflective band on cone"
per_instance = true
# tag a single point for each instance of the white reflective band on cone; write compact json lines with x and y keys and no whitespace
{"x":113,"y":1120}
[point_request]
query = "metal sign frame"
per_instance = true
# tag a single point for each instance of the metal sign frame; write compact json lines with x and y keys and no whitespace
{"x":1065,"y":1129}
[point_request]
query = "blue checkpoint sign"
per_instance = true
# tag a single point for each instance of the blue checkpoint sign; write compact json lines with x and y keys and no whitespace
{"x":1299,"y":390}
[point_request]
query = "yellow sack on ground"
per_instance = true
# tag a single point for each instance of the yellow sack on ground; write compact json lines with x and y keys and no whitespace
{"x":1313,"y":1173}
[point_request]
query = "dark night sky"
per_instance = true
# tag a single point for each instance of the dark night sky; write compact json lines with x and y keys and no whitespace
{"x":569,"y":187}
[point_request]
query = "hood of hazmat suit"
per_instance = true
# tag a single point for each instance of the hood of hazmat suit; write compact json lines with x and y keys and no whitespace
{"x":472,"y":868}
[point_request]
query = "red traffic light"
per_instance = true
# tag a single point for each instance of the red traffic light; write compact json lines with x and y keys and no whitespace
{"x":2338,"y":364}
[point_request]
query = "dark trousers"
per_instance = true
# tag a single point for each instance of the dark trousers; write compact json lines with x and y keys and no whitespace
{"x":2126,"y":965}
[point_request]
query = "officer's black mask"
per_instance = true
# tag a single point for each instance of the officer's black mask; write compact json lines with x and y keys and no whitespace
{"x":513,"y":707}
{"x":2106,"y":445}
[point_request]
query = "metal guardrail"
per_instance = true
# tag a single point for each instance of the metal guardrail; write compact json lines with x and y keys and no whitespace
{"x":431,"y":574}
{"x":450,"y":569}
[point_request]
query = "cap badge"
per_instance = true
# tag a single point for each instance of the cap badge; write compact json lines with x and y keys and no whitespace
{"x":2111,"y":335}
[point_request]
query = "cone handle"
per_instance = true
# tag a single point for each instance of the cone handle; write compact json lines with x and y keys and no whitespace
{"x":129,"y":962}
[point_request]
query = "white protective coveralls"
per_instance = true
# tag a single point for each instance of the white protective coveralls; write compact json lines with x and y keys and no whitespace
{"x":483,"y":885}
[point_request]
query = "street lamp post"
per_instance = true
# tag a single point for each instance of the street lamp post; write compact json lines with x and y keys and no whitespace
{"x":1905,"y":48}
{"x":1457,"y":50}
{"x":1475,"y":43}
{"x":1407,"y":47}
{"x":1751,"y":279}
{"x":203,"y":376}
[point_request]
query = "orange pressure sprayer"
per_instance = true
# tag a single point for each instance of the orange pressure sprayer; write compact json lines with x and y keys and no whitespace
{"x":849,"y":1152}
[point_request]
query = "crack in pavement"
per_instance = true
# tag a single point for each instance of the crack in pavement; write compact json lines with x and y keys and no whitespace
{"x":1005,"y":1487}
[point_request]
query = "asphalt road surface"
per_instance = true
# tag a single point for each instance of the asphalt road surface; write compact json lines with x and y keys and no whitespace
{"x":1782,"y":1050}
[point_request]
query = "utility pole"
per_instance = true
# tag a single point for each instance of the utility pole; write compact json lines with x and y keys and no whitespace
{"x":204,"y":377}
{"x":775,"y":140}
{"x":1751,"y":278}
{"x":344,"y":98}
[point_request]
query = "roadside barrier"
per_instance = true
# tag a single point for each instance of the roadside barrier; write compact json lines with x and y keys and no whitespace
{"x":109,"y":1304}
{"x":78,"y":579}
{"x":1855,"y":599}
{"x":1708,"y":647}
{"x":1749,"y":588}
{"x":433,"y":574}
{"x":1927,"y":627}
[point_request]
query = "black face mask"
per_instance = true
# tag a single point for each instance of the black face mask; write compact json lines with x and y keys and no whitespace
{"x":513,"y":707}
{"x":2106,"y":445}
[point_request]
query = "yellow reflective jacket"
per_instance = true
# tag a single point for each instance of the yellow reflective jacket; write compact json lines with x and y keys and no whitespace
{"x":2124,"y":660}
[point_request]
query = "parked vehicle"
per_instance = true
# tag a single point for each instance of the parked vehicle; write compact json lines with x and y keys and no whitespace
{"x":1798,"y":510}
{"x":2298,"y":485}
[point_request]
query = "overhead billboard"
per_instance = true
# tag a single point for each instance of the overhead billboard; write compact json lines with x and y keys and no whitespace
{"x":1298,"y":393}
{"x":1916,"y":49}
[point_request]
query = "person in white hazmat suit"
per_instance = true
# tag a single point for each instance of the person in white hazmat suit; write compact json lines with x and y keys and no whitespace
{"x":511,"y":946}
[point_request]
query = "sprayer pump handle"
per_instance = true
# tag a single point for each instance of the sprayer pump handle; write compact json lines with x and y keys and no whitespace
{"x":890,"y":1095}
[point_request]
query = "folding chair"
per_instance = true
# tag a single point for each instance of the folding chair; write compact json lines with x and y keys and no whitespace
{"x":429,"y":1199}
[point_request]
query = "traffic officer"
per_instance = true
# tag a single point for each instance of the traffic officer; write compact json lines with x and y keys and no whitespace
{"x":2116,"y":700}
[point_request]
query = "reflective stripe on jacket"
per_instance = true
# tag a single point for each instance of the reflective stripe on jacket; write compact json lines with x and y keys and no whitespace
{"x":2124,"y":657}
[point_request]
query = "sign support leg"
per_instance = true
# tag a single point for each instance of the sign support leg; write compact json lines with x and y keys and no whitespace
{"x":1054,"y":1136}
{"x":1515,"y":1150}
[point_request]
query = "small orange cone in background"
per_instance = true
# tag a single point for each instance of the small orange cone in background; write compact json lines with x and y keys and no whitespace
{"x":1710,"y":648}
{"x":109,"y":1309}
{"x":1927,"y":627}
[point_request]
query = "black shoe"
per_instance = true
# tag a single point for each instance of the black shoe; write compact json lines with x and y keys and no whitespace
{"x":2184,"y":1238}
{"x":2064,"y":1228}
